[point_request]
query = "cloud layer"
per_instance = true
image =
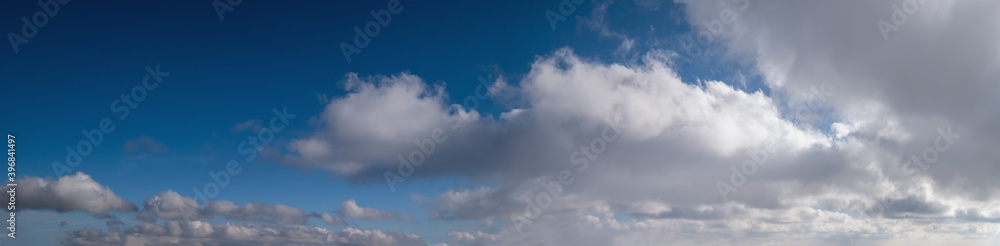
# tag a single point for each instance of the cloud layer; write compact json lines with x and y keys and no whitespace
{"x":205,"y":233}
{"x":184,"y":219}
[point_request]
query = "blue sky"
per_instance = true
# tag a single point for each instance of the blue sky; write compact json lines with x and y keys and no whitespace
{"x":265,"y":56}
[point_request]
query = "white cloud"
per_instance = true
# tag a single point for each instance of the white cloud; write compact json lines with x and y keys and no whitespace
{"x":78,"y":192}
{"x":378,"y":120}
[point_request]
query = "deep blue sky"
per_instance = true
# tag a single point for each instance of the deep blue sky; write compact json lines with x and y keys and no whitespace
{"x":266,"y":55}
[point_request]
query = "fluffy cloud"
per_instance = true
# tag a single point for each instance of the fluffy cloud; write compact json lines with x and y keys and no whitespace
{"x":676,"y":131}
{"x":205,"y":233}
{"x":352,"y":210}
{"x":78,"y":192}
{"x":382,"y":115}
{"x":569,"y":107}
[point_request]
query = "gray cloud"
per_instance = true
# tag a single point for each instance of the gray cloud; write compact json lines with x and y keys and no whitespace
{"x":937,"y":69}
{"x":473,"y":204}
{"x":145,"y":216}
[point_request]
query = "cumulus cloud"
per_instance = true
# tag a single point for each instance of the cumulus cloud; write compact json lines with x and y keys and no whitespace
{"x":677,"y":131}
{"x":352,"y":210}
{"x":77,"y":192}
{"x":382,"y":115}
{"x":569,"y":107}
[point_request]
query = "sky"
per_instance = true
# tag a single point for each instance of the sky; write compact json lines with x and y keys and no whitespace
{"x":573,"y":122}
